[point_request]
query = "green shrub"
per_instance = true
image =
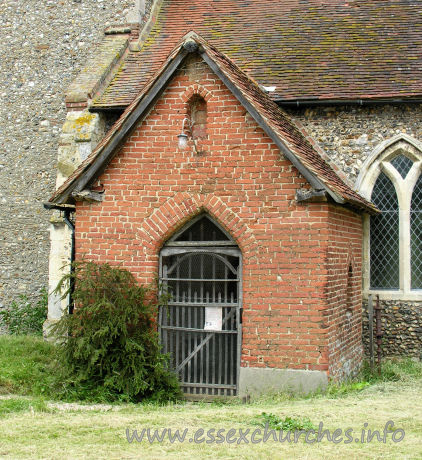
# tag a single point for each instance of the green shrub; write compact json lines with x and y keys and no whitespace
{"x":392,"y":370}
{"x":24,"y":316}
{"x":109,"y":346}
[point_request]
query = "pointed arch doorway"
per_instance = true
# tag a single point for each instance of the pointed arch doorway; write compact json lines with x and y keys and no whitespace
{"x":201,"y":269}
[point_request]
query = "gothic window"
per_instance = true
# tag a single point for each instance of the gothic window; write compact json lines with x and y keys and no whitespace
{"x":392,"y":179}
{"x":384,"y":238}
{"x":416,"y":236}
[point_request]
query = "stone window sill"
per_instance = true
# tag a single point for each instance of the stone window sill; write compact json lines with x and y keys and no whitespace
{"x":411,"y":296}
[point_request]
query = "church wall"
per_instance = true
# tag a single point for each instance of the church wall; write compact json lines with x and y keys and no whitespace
{"x":349,"y":134}
{"x":44,"y":45}
{"x":151,"y":188}
{"x":344,"y":293}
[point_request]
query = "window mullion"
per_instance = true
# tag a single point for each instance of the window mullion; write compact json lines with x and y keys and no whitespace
{"x":404,"y":192}
{"x":404,"y":248}
{"x":401,"y":187}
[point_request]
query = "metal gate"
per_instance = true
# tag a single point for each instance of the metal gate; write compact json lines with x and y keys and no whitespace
{"x":200,"y":268}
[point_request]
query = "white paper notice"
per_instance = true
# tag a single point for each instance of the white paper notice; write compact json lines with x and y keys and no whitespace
{"x":213,"y":319}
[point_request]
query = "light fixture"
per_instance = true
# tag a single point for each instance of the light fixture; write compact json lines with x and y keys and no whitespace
{"x":183,"y":141}
{"x":183,"y":138}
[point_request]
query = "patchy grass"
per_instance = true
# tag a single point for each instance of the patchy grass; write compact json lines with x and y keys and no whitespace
{"x":100,"y":434}
{"x":26,"y":365}
{"x":33,"y":427}
{"x":274,"y":422}
{"x":15,"y":404}
{"x":393,"y":370}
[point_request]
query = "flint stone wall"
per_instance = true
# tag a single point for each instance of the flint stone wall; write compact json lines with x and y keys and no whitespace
{"x":44,"y":45}
{"x":348,"y":135}
{"x":402,"y":329}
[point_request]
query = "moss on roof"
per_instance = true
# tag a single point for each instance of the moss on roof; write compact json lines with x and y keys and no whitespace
{"x":308,"y":50}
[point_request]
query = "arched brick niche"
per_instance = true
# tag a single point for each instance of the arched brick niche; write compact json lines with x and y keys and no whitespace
{"x":197,"y":113}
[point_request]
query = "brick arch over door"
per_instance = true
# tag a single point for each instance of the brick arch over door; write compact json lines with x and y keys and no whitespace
{"x":156,"y":229}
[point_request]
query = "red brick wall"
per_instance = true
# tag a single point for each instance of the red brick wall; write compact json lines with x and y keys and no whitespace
{"x":343,"y":294}
{"x":152,"y":189}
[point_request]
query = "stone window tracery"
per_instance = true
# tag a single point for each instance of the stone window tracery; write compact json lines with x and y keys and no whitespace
{"x":392,"y":179}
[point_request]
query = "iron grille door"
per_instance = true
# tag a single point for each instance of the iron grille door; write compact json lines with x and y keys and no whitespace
{"x":200,"y":326}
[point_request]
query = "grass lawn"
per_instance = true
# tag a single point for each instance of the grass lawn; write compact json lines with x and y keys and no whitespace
{"x":33,"y":427}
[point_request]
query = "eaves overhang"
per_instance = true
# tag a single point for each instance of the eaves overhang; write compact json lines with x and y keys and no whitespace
{"x":276,"y":124}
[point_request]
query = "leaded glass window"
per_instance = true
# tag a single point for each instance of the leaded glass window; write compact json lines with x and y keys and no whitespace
{"x":402,"y":164}
{"x":416,"y":236}
{"x":392,"y":179}
{"x":385,"y":236}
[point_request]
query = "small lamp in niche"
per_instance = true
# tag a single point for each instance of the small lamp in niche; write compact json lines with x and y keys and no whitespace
{"x":183,"y":138}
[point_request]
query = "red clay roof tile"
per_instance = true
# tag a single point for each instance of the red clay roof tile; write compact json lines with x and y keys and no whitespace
{"x":308,"y":50}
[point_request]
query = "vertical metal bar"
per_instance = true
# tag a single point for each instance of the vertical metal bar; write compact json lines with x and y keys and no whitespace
{"x":183,"y":339}
{"x":191,"y":347}
{"x":178,"y":283}
{"x":202,"y":363}
{"x":217,"y":336}
{"x":164,"y":315}
{"x":165,"y":287}
{"x":378,"y":309}
{"x":213,"y":277}
{"x":211,"y":364}
{"x":207,"y":361}
{"x":226,"y":275}
{"x":160,"y":309}
{"x":195,"y":358}
{"x":204,"y":357}
{"x":239,"y":276}
{"x":199,"y":355}
{"x":371,"y":330}
{"x":190,"y":282}
{"x":176,"y":333}
{"x":221,"y":354}
{"x":201,"y":256}
{"x":232,"y":365}
{"x":226,"y":356}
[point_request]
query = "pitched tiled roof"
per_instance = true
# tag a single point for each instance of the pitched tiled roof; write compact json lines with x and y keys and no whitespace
{"x":308,"y":50}
{"x":272,"y":118}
